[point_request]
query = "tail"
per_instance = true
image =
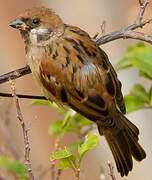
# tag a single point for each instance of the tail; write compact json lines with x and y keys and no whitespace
{"x":123,"y":141}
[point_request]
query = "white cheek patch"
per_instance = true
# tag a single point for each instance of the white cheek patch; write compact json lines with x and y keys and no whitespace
{"x":33,"y":36}
{"x":40,"y":31}
{"x":39,"y":35}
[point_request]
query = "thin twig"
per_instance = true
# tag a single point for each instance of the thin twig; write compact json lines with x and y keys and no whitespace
{"x":58,"y":174}
{"x":140,"y":2}
{"x":23,"y":96}
{"x":57,"y":146}
{"x":25,"y":132}
{"x":142,"y":10}
{"x":137,"y":35}
{"x":111,"y":173}
{"x":103,"y":27}
{"x":52,"y":170}
{"x":77,"y":174}
{"x":95,"y":36}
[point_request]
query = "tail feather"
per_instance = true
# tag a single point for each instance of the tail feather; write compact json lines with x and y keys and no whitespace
{"x":132,"y":129}
{"x":118,"y":159}
{"x":121,"y":153}
{"x":125,"y":151}
{"x":123,"y":142}
{"x":137,"y":151}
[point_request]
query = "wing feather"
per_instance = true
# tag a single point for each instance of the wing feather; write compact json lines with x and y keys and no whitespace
{"x":85,"y":79}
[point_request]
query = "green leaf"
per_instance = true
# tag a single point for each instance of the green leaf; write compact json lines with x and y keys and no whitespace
{"x":133,"y":103}
{"x":133,"y":47}
{"x":81,"y":121}
{"x":75,"y":145}
{"x":90,"y":141}
{"x":140,"y":92}
{"x":60,"y":109}
{"x":141,"y":57}
{"x":142,"y":74}
{"x":41,"y":102}
{"x":65,"y":163}
{"x":14,"y":167}
{"x":70,"y":123}
{"x":69,"y":162}
{"x":23,"y":177}
{"x":66,"y":158}
{"x":78,"y":121}
{"x":141,"y":44}
{"x":55,"y":127}
{"x":150,"y":96}
{"x":66,"y":120}
{"x":123,"y":64}
{"x":63,"y":153}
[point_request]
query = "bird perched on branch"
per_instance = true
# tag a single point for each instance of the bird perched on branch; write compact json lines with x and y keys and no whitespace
{"x":73,"y":71}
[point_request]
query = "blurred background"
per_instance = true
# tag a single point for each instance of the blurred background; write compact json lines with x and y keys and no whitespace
{"x":88,"y":15}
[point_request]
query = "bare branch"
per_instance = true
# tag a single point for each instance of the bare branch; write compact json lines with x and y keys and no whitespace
{"x":122,"y":33}
{"x":111,"y":173}
{"x":137,"y":35}
{"x":25,"y":131}
{"x":15,"y":74}
{"x":23,"y":96}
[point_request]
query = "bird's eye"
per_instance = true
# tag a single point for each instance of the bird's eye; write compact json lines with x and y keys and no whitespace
{"x":36,"y":21}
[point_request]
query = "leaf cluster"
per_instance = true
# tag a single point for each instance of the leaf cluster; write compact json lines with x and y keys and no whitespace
{"x":138,"y":56}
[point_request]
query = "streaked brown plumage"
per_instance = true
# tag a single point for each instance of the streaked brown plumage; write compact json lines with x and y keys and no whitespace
{"x":73,"y":71}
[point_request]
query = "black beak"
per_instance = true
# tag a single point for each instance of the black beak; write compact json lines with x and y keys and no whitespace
{"x":18,"y":24}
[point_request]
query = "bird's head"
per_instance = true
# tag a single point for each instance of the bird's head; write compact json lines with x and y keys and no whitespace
{"x":38,"y":25}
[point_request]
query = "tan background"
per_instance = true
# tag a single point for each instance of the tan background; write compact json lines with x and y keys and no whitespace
{"x":88,"y":15}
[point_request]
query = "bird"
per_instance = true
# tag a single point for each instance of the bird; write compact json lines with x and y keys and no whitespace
{"x":73,"y":71}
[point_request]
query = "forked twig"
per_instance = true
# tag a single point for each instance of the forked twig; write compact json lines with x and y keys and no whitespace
{"x":128,"y":31}
{"x":142,"y":10}
{"x":111,"y":173}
